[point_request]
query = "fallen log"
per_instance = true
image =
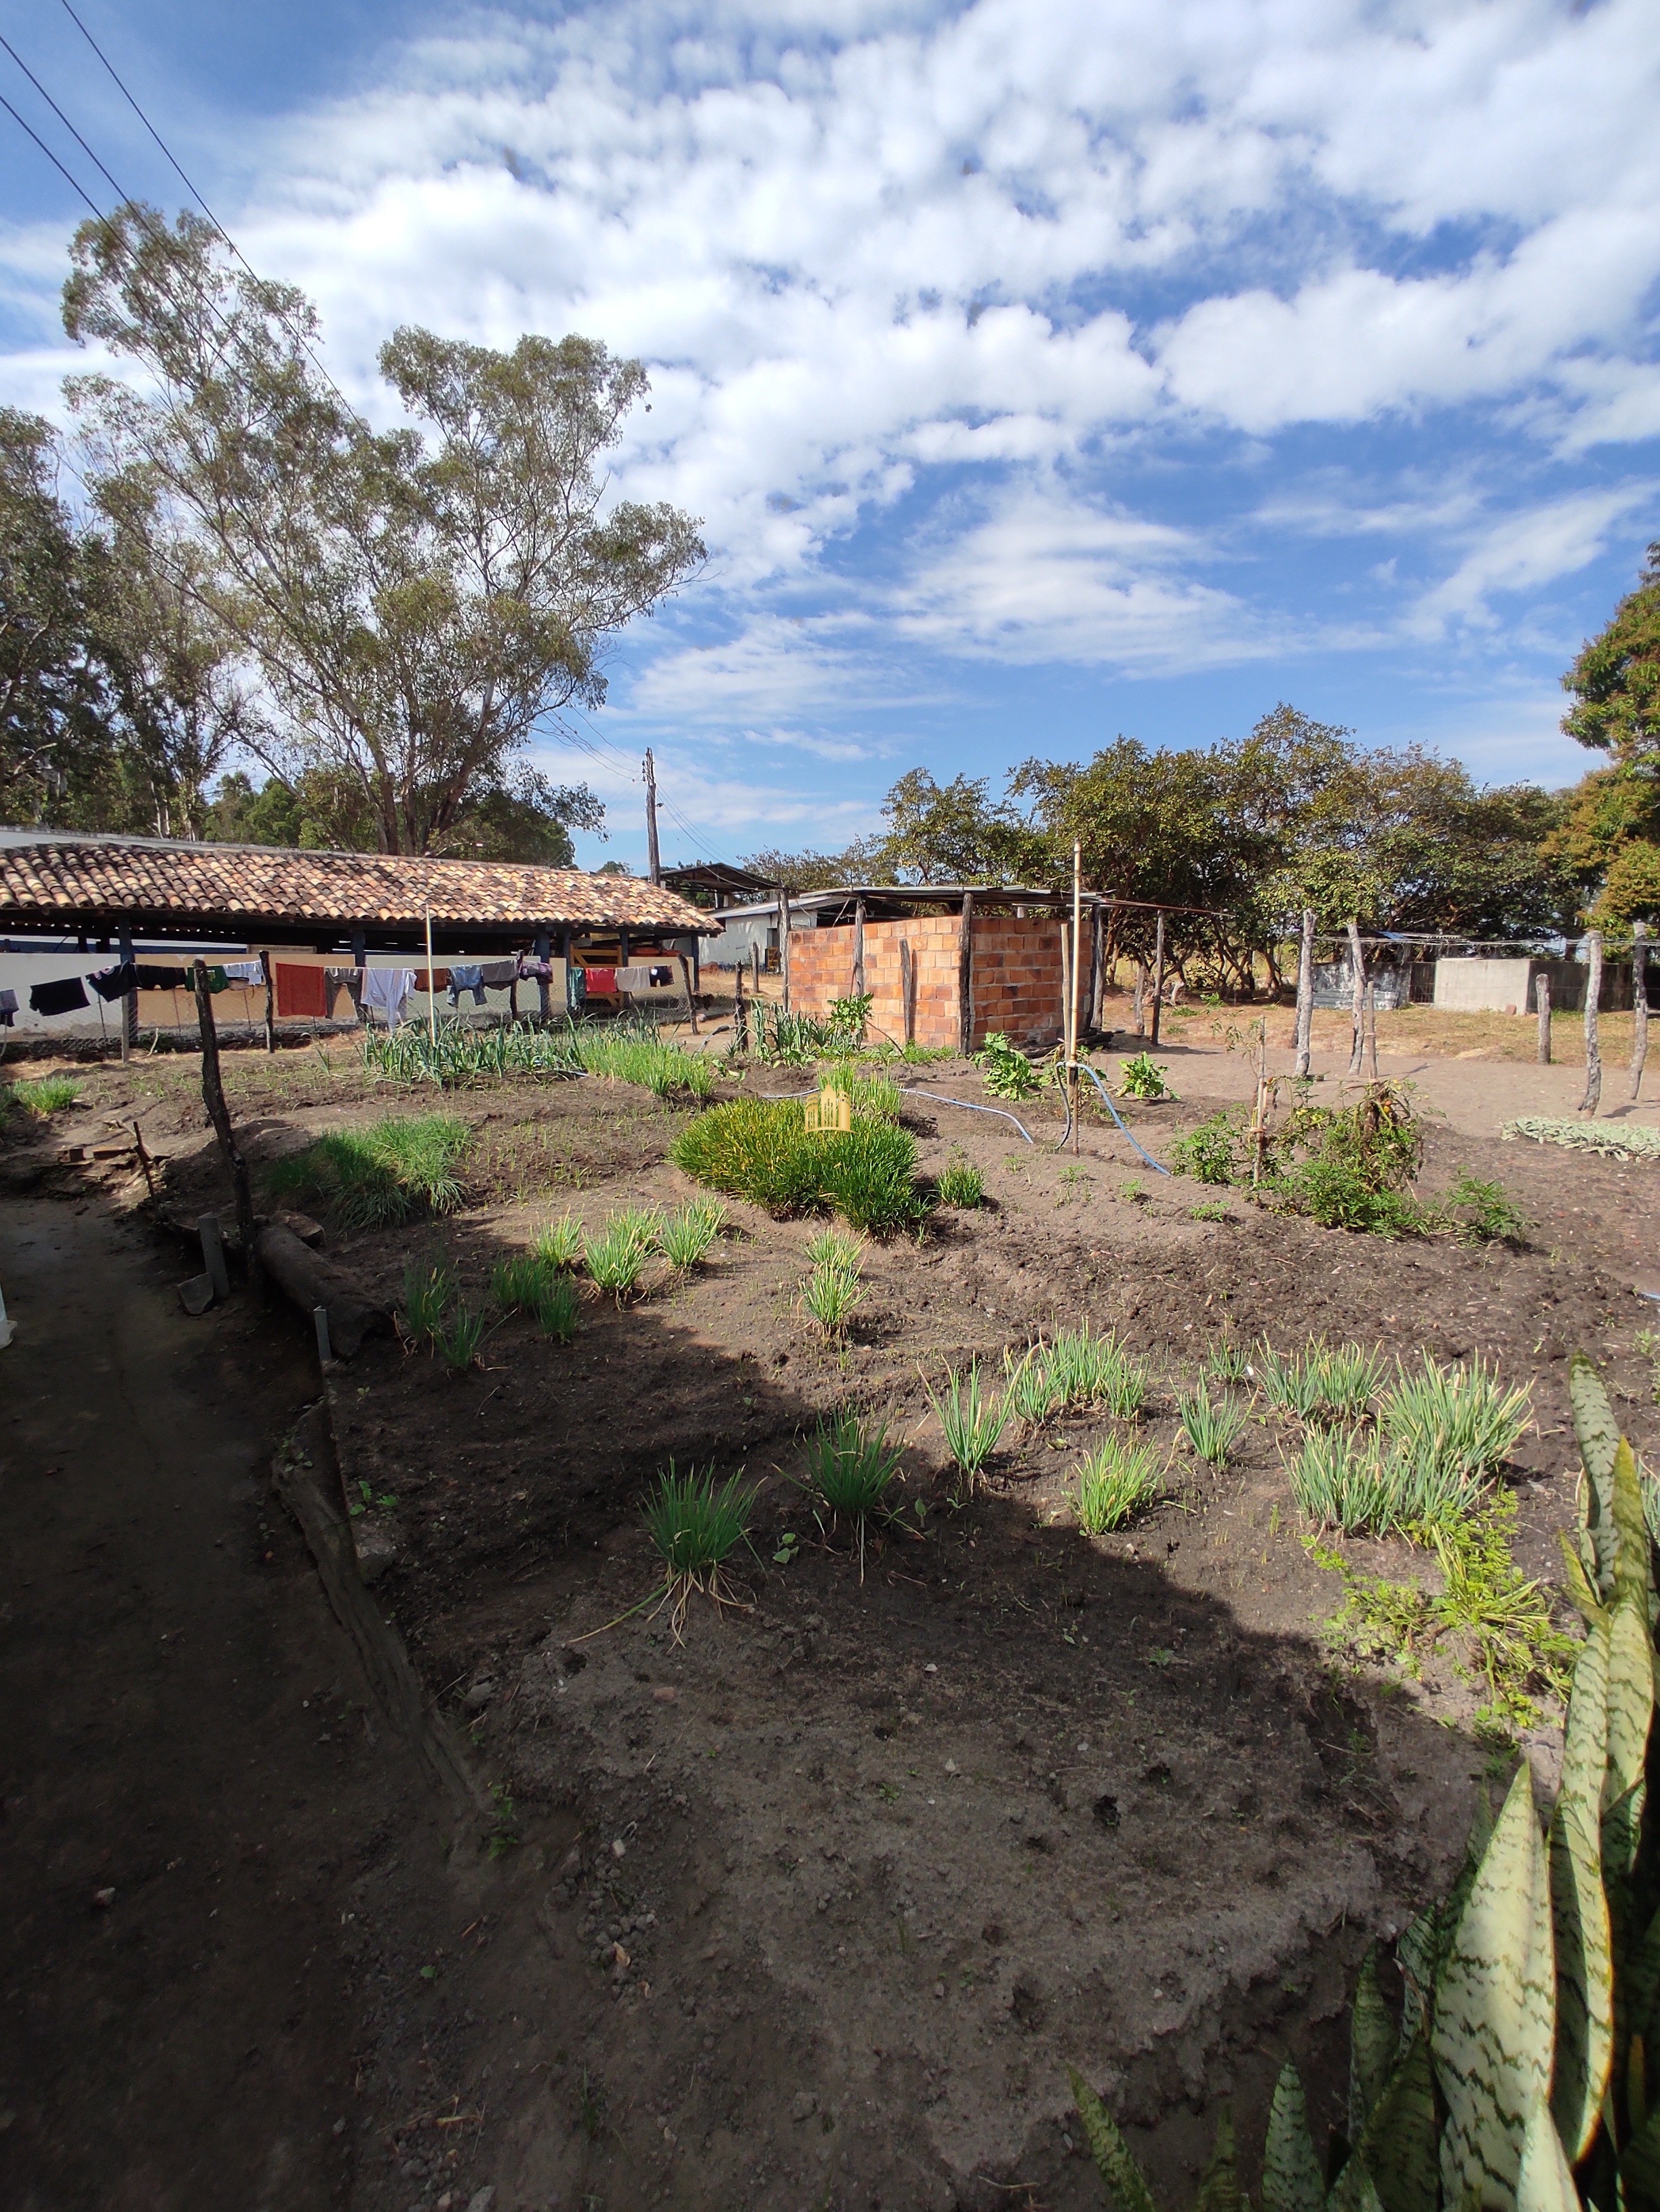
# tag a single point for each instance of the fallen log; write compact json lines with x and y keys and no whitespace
{"x":311,"y":1281}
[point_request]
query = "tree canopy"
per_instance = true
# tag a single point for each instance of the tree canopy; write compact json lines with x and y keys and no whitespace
{"x":1615,"y":680}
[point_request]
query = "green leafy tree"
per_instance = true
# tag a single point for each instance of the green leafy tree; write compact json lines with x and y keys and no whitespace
{"x":417,"y":602}
{"x":953,"y":833}
{"x":1607,"y":839}
{"x":1615,"y":680}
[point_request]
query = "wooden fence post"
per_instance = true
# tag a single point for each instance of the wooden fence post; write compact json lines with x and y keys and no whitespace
{"x":1371,"y":1028}
{"x":1305,"y":993}
{"x":691,"y":1000}
{"x":858,"y":948}
{"x":213,"y":1097}
{"x":1158,"y":976}
{"x":270,"y":1002}
{"x":1640,"y":1002}
{"x":784,"y":942}
{"x":965,"y":979}
{"x":1097,"y":967}
{"x":907,"y":992}
{"x":1357,"y":1003}
{"x":1541,"y":1000}
{"x":740,"y":1020}
{"x":1589,"y":1103}
{"x":1138,"y":1008}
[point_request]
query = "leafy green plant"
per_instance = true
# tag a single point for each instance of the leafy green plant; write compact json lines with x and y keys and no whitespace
{"x":1142,"y":1077}
{"x":1211,"y":1425}
{"x":1004,"y":1069}
{"x":40,"y":1095}
{"x":560,"y":1244}
{"x":1519,"y":2077}
{"x":1336,"y":1194}
{"x":1096,"y":1370}
{"x":458,"y":1339}
{"x":1206,"y":1153}
{"x":1454,"y":1422}
{"x":1030,"y":1390}
{"x":1227,"y":1360}
{"x":687,"y":1235}
{"x":695,"y":1527}
{"x":1483,"y":1212}
{"x":1114,"y":1483}
{"x":616,"y":1257}
{"x":972,"y":1423}
{"x":371,"y":1177}
{"x":832,"y":1294}
{"x":848,"y":1468}
{"x":1211,"y":1210}
{"x":558,"y":1308}
{"x":961,"y":1185}
{"x":761,"y":1150}
{"x":426,"y":1294}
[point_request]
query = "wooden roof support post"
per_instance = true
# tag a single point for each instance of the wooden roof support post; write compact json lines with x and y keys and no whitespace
{"x":213,"y":1097}
{"x":1640,"y":1002}
{"x":965,"y":980}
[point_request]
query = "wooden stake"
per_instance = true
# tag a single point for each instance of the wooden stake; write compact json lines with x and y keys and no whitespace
{"x":784,"y":942}
{"x":213,"y":1097}
{"x":907,"y":992}
{"x":1357,"y":1003}
{"x":1640,"y":1002}
{"x":858,"y":948}
{"x":213,"y":1255}
{"x":1158,"y":976}
{"x":965,"y":979}
{"x":1305,"y":993}
{"x":740,"y":1016}
{"x":270,"y":1002}
{"x":1371,"y":1028}
{"x":1589,"y":1103}
{"x":691,"y":1000}
{"x":432,"y":993}
{"x":1541,"y":1000}
{"x":1139,"y":1011}
{"x":1098,"y":975}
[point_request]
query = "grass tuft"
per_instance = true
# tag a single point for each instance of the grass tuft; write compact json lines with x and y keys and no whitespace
{"x":696,"y":1529}
{"x":686,"y":1237}
{"x":1114,"y":1483}
{"x":1455,"y":1424}
{"x":380,"y":1175}
{"x":849,"y":1469}
{"x":973,"y":1424}
{"x":832,"y":1291}
{"x":1096,"y":1370}
{"x":616,"y":1256}
{"x":426,"y":1293}
{"x":761,"y":1150}
{"x":961,"y":1185}
{"x":1212,"y":1425}
{"x":458,"y":1338}
{"x":40,"y":1095}
{"x":560,"y":1244}
{"x":1030,"y":1391}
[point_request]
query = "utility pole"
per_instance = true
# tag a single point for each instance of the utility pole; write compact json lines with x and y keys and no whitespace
{"x":651,"y":818}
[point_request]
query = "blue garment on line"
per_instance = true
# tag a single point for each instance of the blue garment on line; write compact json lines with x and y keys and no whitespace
{"x":467,"y":979}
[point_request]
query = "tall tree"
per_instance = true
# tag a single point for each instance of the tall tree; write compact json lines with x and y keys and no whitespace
{"x":1615,"y":680}
{"x":418,"y":601}
{"x":954,"y":833}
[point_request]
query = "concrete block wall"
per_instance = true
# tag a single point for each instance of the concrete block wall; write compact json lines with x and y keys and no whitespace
{"x":1015,"y":984}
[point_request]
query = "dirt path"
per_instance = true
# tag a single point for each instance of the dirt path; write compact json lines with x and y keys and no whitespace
{"x":190,"y":1785}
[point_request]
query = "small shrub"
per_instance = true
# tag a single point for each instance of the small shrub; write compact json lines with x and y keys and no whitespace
{"x":1114,"y":1483}
{"x":560,"y":1244}
{"x":426,"y":1294}
{"x":40,"y":1096}
{"x":831,"y":1294}
{"x":696,"y":1529}
{"x":973,"y":1425}
{"x":1455,"y":1424}
{"x":848,"y":1017}
{"x":371,"y":1177}
{"x":686,"y":1237}
{"x":616,"y":1258}
{"x":458,"y":1338}
{"x":761,"y":1150}
{"x":1030,"y":1391}
{"x":961,"y":1185}
{"x":1143,"y":1078}
{"x":1004,"y":1069}
{"x":1336,"y":1194}
{"x":1206,"y":1153}
{"x":1483,"y":1214}
{"x":1211,"y":1425}
{"x":557,"y":1307}
{"x":869,"y":1175}
{"x":849,"y":1469}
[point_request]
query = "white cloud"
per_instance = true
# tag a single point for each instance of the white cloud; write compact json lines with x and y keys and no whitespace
{"x":1526,"y":552}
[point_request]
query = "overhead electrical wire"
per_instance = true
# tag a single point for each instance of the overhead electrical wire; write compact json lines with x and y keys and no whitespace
{"x":74,"y":183}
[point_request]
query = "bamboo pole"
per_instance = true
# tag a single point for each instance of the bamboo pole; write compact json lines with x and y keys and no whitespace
{"x":1639,"y":1004}
{"x":1589,"y":1103}
{"x":1305,"y":993}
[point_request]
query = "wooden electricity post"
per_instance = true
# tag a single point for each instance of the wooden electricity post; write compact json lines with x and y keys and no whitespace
{"x":1305,"y":993}
{"x":1589,"y":1103}
{"x":1640,"y":1002}
{"x":656,"y":866}
{"x":213,"y":1097}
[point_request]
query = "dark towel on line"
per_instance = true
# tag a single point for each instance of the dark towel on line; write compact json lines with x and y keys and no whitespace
{"x":163,"y":979}
{"x":8,"y":1009}
{"x":63,"y":997}
{"x":115,"y":982}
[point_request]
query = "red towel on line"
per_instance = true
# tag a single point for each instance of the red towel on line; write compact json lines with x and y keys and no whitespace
{"x":602,"y":982}
{"x":302,"y":994}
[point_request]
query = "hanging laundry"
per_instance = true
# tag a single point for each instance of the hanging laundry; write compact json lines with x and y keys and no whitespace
{"x":496,"y":975}
{"x":65,"y":997}
{"x":115,"y":982}
{"x":468,"y":978}
{"x":388,"y":989}
{"x":248,"y":971}
{"x":602,"y":982}
{"x":634,"y":979}
{"x":659,"y":975}
{"x":161,"y":979}
{"x":348,"y":979}
{"x":8,"y":1009}
{"x":535,"y":971}
{"x":302,"y":993}
{"x":576,"y":990}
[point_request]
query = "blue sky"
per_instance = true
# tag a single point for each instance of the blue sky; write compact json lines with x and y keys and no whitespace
{"x":1042,"y":369}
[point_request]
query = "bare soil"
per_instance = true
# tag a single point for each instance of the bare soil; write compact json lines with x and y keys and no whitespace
{"x":814,"y":1902}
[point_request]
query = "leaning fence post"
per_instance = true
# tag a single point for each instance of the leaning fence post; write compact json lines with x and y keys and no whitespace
{"x":1640,"y":1002}
{"x":213,"y":1097}
{"x":1588,"y":1104}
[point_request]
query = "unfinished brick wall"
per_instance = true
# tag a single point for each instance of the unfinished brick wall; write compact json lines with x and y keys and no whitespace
{"x":1015,"y":984}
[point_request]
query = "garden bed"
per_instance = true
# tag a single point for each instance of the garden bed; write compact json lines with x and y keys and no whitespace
{"x":863,"y":1864}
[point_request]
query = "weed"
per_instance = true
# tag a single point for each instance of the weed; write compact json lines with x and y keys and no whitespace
{"x":961,"y":1185}
{"x":696,"y":1528}
{"x":557,"y":1307}
{"x":43,"y":1094}
{"x":458,"y":1338}
{"x":686,"y":1237}
{"x":1457,"y":1425}
{"x":1206,"y":1153}
{"x":1142,"y":1077}
{"x":365,"y":1498}
{"x":1211,"y":1210}
{"x":831,"y":1294}
{"x":834,"y":1247}
{"x":761,"y":1150}
{"x":560,"y":1244}
{"x":1096,"y":1370}
{"x":1482,"y":1212}
{"x":1134,"y":1192}
{"x":1115,"y":1482}
{"x":1004,"y":1069}
{"x":788,"y":1545}
{"x":426,"y":1293}
{"x":1211,"y":1425}
{"x":616,"y":1258}
{"x":1030,"y":1390}
{"x":973,"y":1425}
{"x":1227,"y":1361}
{"x":849,"y":1469}
{"x":370,"y":1177}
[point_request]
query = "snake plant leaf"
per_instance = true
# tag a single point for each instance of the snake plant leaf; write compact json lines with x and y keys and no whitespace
{"x":1631,"y":1709}
{"x":1597,"y":1434}
{"x":1291,"y":2171}
{"x":1579,"y":1907}
{"x":1399,"y":2148}
{"x":1111,"y":2153}
{"x":1218,"y":2190}
{"x":1639,"y":2167}
{"x":1495,"y":2010}
{"x":1371,"y":2046}
{"x":1545,"y":2183}
{"x":1580,"y":1577}
{"x":1640,"y":1984}
{"x":1633,"y":1571}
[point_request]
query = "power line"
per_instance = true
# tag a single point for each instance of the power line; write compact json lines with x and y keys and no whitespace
{"x":74,"y":182}
{"x":63,"y":119}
